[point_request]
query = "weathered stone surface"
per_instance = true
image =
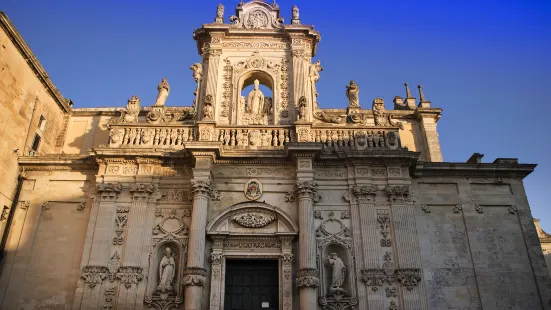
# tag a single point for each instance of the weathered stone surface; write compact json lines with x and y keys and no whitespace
{"x":141,"y":206}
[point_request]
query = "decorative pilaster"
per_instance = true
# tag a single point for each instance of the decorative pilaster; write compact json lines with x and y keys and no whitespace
{"x":428,"y":119}
{"x":211,"y":57}
{"x":287,"y":259}
{"x":408,"y":256}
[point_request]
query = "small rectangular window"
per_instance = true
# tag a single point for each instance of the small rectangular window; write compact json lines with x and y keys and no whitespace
{"x":36,"y":142}
{"x":42,"y":123}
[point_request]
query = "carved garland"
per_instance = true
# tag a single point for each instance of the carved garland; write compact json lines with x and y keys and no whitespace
{"x":254,"y":220}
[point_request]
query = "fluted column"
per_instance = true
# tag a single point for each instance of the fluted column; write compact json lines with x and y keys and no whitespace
{"x":307,"y":275}
{"x":194,"y":275}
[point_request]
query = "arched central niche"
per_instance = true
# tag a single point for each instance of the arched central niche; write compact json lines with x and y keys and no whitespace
{"x":251,"y":230}
{"x":255,"y":102}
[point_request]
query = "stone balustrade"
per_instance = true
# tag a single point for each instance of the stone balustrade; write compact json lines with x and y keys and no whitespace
{"x":343,"y":137}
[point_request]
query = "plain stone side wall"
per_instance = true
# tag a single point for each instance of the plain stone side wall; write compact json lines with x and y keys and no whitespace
{"x":46,"y":242}
{"x":21,"y":92}
{"x":85,"y":132}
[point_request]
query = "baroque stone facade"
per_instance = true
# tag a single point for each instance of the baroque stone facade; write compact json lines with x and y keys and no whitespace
{"x":149,"y":206}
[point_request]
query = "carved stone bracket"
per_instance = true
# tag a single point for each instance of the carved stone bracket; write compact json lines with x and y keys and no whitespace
{"x":194,"y":276}
{"x":307,"y":277}
{"x":408,"y":277}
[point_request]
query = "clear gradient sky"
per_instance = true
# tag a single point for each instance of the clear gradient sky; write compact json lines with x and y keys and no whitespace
{"x":487,"y":63}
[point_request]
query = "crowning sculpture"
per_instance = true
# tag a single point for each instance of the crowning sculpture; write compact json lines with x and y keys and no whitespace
{"x":352,"y":92}
{"x":164,"y":90}
{"x":255,"y":100}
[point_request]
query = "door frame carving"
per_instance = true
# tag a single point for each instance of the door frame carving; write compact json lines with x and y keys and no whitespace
{"x":274,"y":241}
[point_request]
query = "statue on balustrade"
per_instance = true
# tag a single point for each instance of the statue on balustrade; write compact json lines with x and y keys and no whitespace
{"x":352,"y":92}
{"x":164,"y":90}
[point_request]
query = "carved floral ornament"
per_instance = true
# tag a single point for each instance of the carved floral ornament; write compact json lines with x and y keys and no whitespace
{"x":254,"y":219}
{"x":128,"y":275}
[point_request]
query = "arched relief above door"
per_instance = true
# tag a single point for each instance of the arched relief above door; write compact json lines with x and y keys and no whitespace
{"x":252,"y":217}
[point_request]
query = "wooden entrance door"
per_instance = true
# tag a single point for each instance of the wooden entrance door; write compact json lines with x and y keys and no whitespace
{"x":251,"y":285}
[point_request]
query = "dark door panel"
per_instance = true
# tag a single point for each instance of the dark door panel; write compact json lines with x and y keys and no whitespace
{"x":250,"y":283}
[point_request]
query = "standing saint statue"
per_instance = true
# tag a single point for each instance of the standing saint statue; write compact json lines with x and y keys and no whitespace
{"x":166,"y":271}
{"x":255,"y":100}
{"x":163,"y":89}
{"x":352,"y":92}
{"x":314,"y":73}
{"x":337,"y":276}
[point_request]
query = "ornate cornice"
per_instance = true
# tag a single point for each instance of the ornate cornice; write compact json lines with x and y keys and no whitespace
{"x":483,"y":170}
{"x":33,"y":62}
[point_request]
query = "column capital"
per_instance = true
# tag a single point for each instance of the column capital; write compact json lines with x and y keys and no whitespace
{"x":108,"y":191}
{"x":304,"y":189}
{"x":363,"y":194}
{"x":400,"y":194}
{"x":203,"y":188}
{"x":145,"y":192}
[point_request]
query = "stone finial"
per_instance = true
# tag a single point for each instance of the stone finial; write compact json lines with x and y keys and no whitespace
{"x":409,"y":102}
{"x":295,"y":17}
{"x":421,"y":95}
{"x":408,"y":93}
{"x":219,"y":19}
{"x":423,"y":103}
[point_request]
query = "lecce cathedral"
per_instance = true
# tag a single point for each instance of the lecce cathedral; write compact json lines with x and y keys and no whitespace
{"x":252,"y":198}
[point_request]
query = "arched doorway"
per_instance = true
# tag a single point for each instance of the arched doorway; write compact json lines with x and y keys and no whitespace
{"x":259,"y":236}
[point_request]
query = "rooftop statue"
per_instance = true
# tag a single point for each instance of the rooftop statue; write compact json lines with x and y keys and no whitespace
{"x":163,"y":89}
{"x":352,"y":92}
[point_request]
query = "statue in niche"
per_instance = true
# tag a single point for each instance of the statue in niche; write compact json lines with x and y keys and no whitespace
{"x":314,"y":72}
{"x":167,"y":269}
{"x":255,"y":100}
{"x":337,"y":276}
{"x":163,"y":89}
{"x":352,"y":92}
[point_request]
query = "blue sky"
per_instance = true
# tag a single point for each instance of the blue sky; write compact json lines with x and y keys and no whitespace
{"x":486,"y":63}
